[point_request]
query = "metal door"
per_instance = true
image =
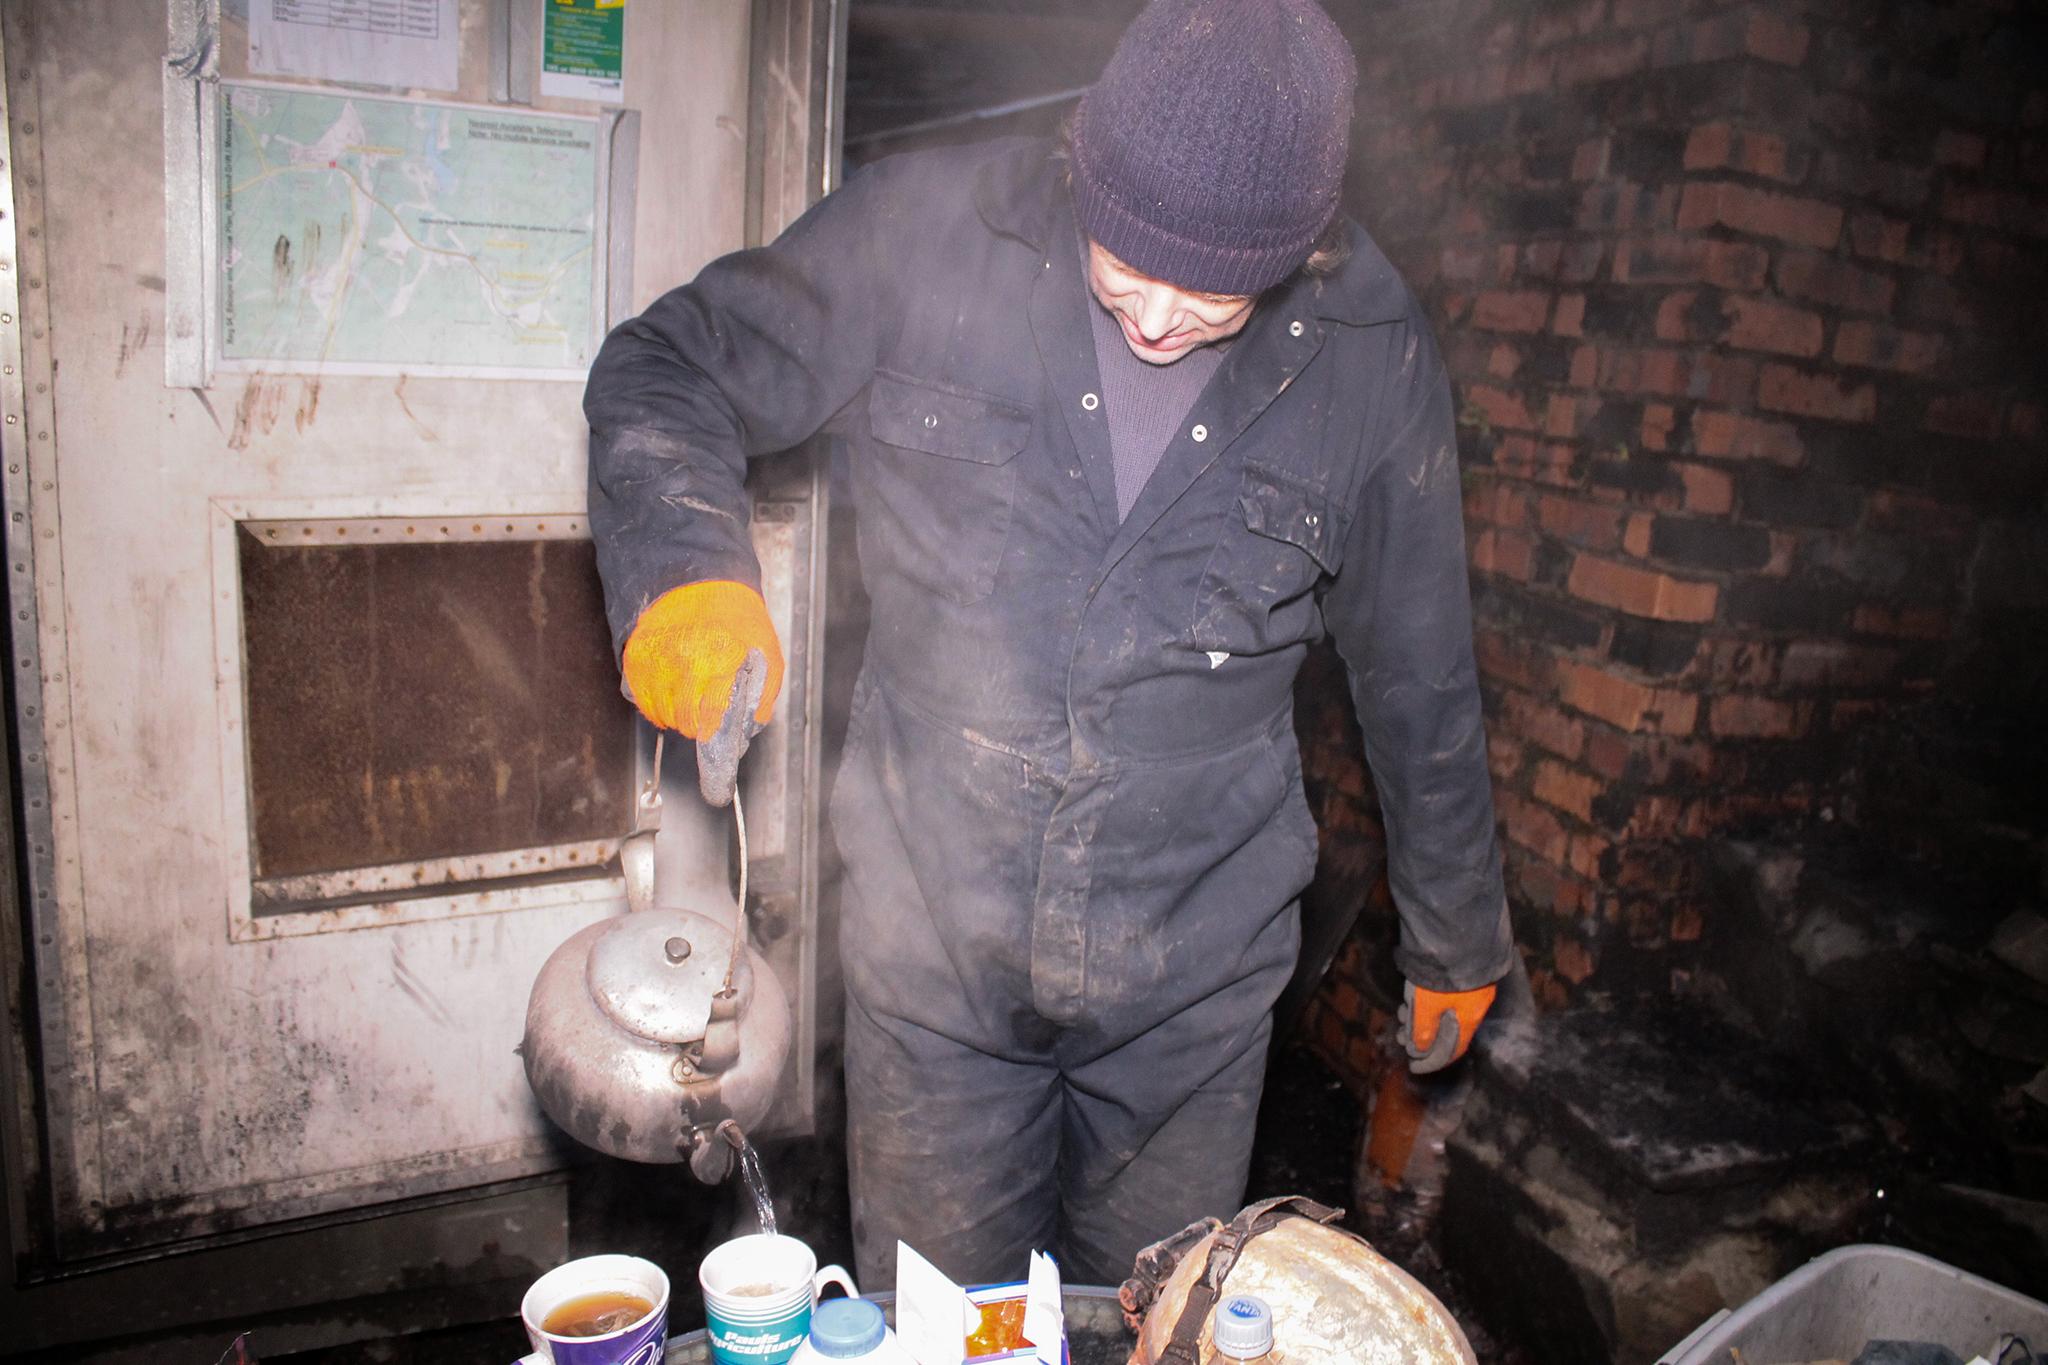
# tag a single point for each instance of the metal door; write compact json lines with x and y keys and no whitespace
{"x":320,"y":755}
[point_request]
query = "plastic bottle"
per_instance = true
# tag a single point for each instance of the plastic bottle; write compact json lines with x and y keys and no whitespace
{"x":849,"y":1330}
{"x":1242,"y":1329}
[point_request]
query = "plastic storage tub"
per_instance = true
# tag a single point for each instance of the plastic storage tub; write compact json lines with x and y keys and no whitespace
{"x":1834,"y":1304}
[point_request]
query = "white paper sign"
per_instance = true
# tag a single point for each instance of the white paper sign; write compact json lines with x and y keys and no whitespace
{"x":933,"y":1316}
{"x":404,"y":44}
{"x":1045,"y":1320}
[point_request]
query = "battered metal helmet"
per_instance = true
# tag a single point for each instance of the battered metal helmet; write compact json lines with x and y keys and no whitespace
{"x":1333,"y":1297}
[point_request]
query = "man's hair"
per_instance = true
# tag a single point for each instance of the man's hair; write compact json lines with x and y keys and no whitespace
{"x":1331,"y":250}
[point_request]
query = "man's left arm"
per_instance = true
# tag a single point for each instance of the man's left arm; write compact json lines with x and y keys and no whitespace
{"x":1400,"y":614}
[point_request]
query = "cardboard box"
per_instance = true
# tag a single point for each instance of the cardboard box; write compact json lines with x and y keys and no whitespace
{"x":935,"y":1317}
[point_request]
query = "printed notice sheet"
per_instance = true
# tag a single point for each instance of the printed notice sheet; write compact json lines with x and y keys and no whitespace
{"x":404,"y":44}
{"x":371,"y":235}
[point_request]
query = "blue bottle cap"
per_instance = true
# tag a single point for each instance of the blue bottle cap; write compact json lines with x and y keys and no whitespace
{"x":844,"y":1328}
{"x":1243,"y":1327}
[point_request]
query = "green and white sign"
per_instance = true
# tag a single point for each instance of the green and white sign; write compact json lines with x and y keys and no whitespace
{"x":583,"y":50}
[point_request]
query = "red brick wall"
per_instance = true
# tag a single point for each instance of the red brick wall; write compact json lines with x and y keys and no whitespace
{"x":1739,"y":305}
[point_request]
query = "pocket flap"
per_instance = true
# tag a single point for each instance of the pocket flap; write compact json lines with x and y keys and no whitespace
{"x":1285,"y":511}
{"x":960,"y":426}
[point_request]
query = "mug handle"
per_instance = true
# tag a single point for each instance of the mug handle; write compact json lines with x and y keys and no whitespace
{"x":829,"y":1275}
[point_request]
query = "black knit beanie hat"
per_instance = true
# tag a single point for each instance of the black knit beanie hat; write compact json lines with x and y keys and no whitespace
{"x":1210,"y":153}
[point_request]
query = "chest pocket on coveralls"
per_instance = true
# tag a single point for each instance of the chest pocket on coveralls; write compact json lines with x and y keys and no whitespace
{"x":943,"y":476}
{"x":1280,"y":540}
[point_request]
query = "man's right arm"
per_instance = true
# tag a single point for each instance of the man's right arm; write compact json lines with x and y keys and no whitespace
{"x":752,"y":357}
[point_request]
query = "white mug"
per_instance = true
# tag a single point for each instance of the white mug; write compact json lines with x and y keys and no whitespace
{"x":758,"y":1294}
{"x":639,"y":1342}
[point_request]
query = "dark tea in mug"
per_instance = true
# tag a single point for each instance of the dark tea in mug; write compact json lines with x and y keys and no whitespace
{"x":594,"y":1315}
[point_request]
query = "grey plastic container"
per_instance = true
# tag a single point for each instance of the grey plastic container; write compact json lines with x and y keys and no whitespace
{"x":1831,"y":1306}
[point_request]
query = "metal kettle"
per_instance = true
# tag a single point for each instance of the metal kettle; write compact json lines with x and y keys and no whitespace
{"x":648,"y":1032}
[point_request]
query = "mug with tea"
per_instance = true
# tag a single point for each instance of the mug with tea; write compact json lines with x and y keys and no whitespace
{"x":759,"y":1291}
{"x":599,"y":1310}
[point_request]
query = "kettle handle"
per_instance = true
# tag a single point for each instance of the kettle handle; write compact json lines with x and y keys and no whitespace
{"x":636,"y":850}
{"x":636,"y":860}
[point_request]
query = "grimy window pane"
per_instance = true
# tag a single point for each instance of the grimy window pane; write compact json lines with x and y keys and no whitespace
{"x":423,"y":701}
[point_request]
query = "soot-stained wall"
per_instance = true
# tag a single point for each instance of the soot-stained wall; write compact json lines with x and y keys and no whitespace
{"x":1740,"y":303}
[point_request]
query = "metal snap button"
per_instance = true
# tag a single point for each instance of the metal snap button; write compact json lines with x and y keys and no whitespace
{"x":1089,"y":402}
{"x":931,"y":419}
{"x":1295,"y":329}
{"x":1200,"y":433}
{"x":1312,"y":519}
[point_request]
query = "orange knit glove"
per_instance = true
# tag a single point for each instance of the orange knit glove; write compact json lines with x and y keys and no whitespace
{"x":1437,"y":1026}
{"x":685,"y":653}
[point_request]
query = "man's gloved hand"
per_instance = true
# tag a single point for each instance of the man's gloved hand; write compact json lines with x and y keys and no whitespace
{"x":703,"y":661}
{"x":1437,"y":1026}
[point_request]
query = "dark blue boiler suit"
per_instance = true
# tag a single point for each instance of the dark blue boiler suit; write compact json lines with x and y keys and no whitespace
{"x":1071,"y":807}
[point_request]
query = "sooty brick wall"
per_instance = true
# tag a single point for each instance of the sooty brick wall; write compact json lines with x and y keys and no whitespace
{"x":1741,"y":307}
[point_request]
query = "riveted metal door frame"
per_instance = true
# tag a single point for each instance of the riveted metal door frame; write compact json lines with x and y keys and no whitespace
{"x":29,"y":916}
{"x":795,"y":134}
{"x":18,"y":1149}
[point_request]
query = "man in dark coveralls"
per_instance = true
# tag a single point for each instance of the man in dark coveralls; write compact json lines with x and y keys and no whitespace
{"x":1131,"y":424}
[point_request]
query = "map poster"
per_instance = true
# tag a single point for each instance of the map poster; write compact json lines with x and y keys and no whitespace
{"x":371,"y":235}
{"x":583,"y":50}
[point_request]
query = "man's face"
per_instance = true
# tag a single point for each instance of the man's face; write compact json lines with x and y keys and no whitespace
{"x":1162,"y":323}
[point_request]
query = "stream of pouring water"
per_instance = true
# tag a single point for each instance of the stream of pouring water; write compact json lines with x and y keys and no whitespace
{"x":755,"y":1179}
{"x":757,"y":1185}
{"x":751,"y":1173}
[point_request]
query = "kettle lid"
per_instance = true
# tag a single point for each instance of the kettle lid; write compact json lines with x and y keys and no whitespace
{"x":658,"y":972}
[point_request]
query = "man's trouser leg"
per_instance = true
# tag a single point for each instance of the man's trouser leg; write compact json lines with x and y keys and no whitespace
{"x":949,"y":1148}
{"x":975,"y":1159}
{"x":1124,"y":1182}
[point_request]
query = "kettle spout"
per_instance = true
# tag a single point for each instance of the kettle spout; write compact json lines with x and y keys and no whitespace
{"x":710,"y":1159}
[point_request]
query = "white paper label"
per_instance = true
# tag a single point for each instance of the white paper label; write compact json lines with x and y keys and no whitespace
{"x":1045,"y":1320}
{"x":403,"y":44}
{"x":933,"y":1316}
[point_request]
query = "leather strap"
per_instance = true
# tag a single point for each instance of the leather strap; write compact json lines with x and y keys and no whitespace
{"x":1230,"y":1242}
{"x":1154,"y":1267}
